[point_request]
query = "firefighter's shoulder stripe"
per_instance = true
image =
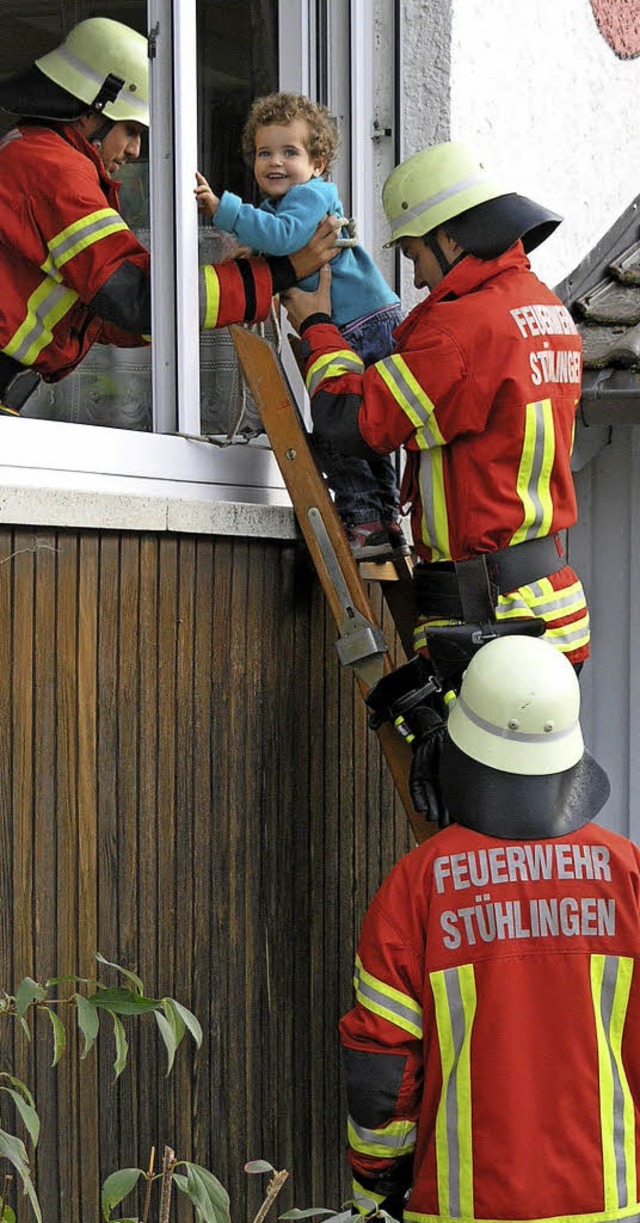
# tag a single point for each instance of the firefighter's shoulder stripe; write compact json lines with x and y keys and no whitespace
{"x":412,"y":399}
{"x":384,"y":1000}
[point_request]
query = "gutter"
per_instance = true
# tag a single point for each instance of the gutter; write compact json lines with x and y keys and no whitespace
{"x":610,"y":397}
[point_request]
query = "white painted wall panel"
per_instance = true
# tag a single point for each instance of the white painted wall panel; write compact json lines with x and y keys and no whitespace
{"x":553,"y":109}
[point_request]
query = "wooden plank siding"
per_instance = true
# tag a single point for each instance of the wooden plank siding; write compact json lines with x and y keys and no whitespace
{"x":187,"y":785}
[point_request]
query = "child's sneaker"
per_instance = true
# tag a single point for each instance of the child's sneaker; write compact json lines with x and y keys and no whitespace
{"x":369,"y":541}
{"x":397,"y":539}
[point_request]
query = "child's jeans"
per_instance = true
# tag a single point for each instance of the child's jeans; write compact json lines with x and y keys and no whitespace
{"x":365,"y":490}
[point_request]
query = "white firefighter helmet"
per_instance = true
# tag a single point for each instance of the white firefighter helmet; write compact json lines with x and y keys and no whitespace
{"x":514,"y":762}
{"x":95,"y":51}
{"x":519,"y":708}
{"x":102,"y":65}
{"x":447,"y":185}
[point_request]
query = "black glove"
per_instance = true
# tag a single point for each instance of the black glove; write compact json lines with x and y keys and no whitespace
{"x":424,"y":776}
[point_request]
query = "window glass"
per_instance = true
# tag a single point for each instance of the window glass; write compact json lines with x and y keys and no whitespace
{"x":240,"y":64}
{"x":237,"y":59}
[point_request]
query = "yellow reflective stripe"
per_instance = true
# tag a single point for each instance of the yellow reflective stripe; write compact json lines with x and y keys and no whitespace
{"x":211,"y":297}
{"x":435,"y":520}
{"x":382,"y":999}
{"x":610,"y":985}
{"x":420,"y":631}
{"x":570,"y":636}
{"x":81,"y":234}
{"x":543,"y":599}
{"x":454,"y":993}
{"x":413,"y":400}
{"x":388,"y":1142}
{"x":630,"y":1213}
{"x":333,"y":365}
{"x":365,"y":1200}
{"x":46,"y":306}
{"x":534,"y":472}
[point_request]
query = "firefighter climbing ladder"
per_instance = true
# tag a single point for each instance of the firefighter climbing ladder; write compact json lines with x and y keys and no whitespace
{"x":361,"y":644}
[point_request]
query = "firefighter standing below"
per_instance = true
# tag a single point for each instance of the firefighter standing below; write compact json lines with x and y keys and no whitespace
{"x":492,"y":1055}
{"x":481,"y":390}
{"x":72,"y":272}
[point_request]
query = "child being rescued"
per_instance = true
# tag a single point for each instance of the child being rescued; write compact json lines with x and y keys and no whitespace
{"x":291,"y":143}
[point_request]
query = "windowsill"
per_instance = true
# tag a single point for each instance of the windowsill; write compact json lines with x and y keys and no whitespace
{"x":83,"y":476}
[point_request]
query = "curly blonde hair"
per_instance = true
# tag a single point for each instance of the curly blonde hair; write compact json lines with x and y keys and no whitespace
{"x":283,"y":108}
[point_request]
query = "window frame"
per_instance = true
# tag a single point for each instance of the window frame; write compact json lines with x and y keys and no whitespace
{"x":39,"y":454}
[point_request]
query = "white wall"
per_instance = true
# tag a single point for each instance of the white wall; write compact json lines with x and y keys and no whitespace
{"x":553,"y":110}
{"x":548,"y":104}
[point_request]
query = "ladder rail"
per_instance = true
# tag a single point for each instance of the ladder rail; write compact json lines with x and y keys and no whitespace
{"x":361,"y":643}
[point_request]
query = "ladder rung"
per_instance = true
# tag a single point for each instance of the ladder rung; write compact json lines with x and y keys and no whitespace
{"x":386,"y":571}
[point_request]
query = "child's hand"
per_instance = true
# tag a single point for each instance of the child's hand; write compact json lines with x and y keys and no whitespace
{"x":207,"y":202}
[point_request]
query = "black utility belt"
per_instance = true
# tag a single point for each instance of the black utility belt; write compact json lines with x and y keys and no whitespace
{"x":437,"y":590}
{"x":17,"y":382}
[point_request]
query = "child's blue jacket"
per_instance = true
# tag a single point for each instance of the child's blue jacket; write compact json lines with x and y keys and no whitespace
{"x":283,"y":226}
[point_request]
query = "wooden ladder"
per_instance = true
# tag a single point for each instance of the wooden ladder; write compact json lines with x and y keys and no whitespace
{"x":361,"y":644}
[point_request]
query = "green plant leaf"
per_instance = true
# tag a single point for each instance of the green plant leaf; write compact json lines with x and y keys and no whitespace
{"x":27,"y":992}
{"x":122,"y":1046}
{"x":188,"y":1018}
{"x":118,"y":1186}
{"x":169,"y":1037}
{"x":308,"y":1213}
{"x":122,"y":1001}
{"x":8,"y":1215}
{"x":28,"y":1114}
{"x":204,"y":1190}
{"x":67,"y":980}
{"x":59,"y":1036}
{"x":258,"y":1165}
{"x":124,"y":972}
{"x":14,"y":1150}
{"x":19,"y":1085}
{"x":88,"y":1022}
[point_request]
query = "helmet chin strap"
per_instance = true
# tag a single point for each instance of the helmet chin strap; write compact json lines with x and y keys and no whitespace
{"x":431,"y":240}
{"x":101,"y":132}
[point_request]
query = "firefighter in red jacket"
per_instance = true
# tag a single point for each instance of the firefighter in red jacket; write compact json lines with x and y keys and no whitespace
{"x":481,"y":390}
{"x":492,"y":1054}
{"x":72,"y":272}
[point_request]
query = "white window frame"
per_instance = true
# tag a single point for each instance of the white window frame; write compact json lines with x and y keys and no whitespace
{"x":48,"y":455}
{"x":51,"y":455}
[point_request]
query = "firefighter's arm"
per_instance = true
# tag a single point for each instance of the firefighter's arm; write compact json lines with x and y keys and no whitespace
{"x":239,"y":291}
{"x":381,"y":1039}
{"x":410,"y":398}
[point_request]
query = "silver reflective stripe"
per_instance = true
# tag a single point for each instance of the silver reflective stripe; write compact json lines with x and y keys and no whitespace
{"x":410,"y":213}
{"x":536,"y":469}
{"x":365,"y":1200}
{"x":607,"y":995}
{"x":57,"y":251}
{"x":456,"y":1013}
{"x":519,"y":736}
{"x":341,"y":365}
{"x":79,"y":65}
{"x":396,"y":376}
{"x":377,"y":996}
{"x":386,"y":1141}
{"x":38,"y":327}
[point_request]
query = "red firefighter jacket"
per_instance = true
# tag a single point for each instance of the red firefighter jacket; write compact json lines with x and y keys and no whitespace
{"x":62,"y":239}
{"x":481,"y":390}
{"x":493,"y":1059}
